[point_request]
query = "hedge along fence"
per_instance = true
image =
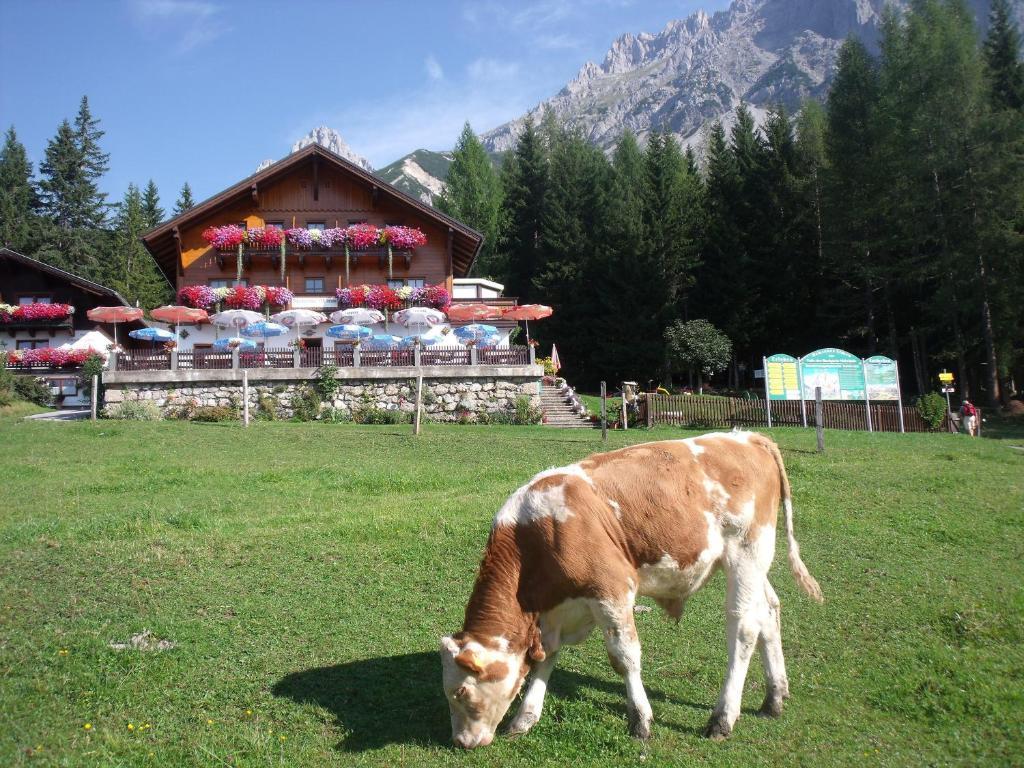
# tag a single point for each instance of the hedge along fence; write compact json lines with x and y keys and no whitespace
{"x":697,"y":411}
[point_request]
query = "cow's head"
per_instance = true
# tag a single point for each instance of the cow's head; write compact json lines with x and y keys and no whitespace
{"x":480,"y":683}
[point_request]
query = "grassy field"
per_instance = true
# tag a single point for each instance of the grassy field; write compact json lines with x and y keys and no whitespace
{"x":305,"y":574}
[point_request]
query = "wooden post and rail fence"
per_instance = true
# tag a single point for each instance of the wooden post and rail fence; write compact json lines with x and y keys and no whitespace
{"x":708,"y":411}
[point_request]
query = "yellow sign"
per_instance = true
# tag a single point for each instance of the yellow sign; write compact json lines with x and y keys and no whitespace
{"x":946,"y":377}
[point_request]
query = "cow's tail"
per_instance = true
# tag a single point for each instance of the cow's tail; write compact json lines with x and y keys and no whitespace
{"x":796,"y":565}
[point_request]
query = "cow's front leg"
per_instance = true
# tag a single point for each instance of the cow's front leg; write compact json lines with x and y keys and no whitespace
{"x":620,"y":638}
{"x":533,"y":702}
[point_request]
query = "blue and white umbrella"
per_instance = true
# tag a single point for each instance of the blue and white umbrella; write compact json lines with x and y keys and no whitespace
{"x":382,"y":341}
{"x":243,"y":345}
{"x":263,"y":330}
{"x":153,"y":334}
{"x":349,"y":332}
{"x":489,"y":341}
{"x":475,"y":332}
{"x":425,"y":340}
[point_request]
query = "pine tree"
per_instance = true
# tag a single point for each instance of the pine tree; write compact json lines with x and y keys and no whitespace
{"x":185,"y":200}
{"x":567,"y":268}
{"x":472,"y":194}
{"x":95,"y":163}
{"x":1002,"y":59}
{"x":19,"y":202}
{"x":153,"y":213}
{"x":524,"y":180}
{"x":130,"y":269}
{"x":812,"y":167}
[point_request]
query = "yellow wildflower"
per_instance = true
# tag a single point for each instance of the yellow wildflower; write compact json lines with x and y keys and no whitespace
{"x":87,"y":726}
{"x":63,"y":652}
{"x":209,"y":721}
{"x":131,"y":726}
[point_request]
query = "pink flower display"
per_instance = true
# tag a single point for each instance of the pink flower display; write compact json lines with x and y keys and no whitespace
{"x":384,"y":297}
{"x":279,"y":296}
{"x":264,"y":237}
{"x":35,"y":313}
{"x":224,"y":238}
{"x":403,"y":238}
{"x":51,"y":356}
{"x":360,"y":236}
{"x":198,"y":296}
{"x":241,"y":297}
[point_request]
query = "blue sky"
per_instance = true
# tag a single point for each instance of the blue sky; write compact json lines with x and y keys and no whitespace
{"x":203,"y":90}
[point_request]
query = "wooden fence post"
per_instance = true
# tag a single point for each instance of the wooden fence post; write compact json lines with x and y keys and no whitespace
{"x":419,"y":402}
{"x":604,"y":412}
{"x":93,"y":396}
{"x":817,"y":420}
{"x":245,"y":398}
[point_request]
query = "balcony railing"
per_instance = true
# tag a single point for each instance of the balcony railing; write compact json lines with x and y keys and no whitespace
{"x":316,"y":357}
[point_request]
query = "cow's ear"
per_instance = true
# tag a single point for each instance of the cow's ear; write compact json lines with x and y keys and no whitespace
{"x":449,"y":645}
{"x":470,"y":661}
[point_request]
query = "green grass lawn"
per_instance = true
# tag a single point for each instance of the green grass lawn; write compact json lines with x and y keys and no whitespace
{"x":306,"y":572}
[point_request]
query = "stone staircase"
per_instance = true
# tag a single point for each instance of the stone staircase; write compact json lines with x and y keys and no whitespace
{"x":558,"y":411}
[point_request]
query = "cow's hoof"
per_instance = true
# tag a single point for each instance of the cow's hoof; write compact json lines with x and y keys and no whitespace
{"x":718,"y":728}
{"x":521,"y":724}
{"x":772,"y":706}
{"x":639,"y":726}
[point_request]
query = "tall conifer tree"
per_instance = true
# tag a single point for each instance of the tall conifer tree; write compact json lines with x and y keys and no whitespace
{"x":185,"y":200}
{"x":151,"y":209}
{"x":524,"y":184}
{"x":19,"y":201}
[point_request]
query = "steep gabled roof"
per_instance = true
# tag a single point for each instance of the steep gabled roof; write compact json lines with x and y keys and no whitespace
{"x":161,"y":242}
{"x":86,"y":285}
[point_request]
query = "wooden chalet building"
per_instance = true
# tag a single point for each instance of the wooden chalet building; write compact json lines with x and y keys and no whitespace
{"x":311,"y":189}
{"x":43,"y":311}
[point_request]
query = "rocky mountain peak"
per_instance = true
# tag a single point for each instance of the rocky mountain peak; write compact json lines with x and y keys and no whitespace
{"x":328,"y":138}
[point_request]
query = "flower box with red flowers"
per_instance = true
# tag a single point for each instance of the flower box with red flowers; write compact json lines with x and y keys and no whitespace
{"x":35,"y":314}
{"x":49,"y":357}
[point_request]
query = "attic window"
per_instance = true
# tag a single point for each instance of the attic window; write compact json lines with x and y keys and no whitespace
{"x":316,"y":225}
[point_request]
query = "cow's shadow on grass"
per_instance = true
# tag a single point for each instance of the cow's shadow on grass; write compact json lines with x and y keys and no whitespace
{"x":399,"y":699}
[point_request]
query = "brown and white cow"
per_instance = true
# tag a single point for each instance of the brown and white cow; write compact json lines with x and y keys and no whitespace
{"x":573,"y":548}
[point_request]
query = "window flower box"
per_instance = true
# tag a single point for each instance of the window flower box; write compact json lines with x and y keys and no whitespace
{"x":35,"y":313}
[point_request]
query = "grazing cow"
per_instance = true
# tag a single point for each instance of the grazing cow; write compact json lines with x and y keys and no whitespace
{"x":573,"y":548}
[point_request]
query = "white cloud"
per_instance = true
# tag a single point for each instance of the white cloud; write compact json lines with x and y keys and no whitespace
{"x":558,"y":42}
{"x":194,"y":22}
{"x":492,"y":70}
{"x":434,"y":70}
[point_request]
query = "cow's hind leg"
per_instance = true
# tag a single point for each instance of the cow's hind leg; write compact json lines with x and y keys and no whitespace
{"x":533,"y":701}
{"x":770,"y":645}
{"x":746,"y":613}
{"x":615,"y":618}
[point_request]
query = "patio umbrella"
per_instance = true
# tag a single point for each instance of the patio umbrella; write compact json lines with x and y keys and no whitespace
{"x":475,"y":332}
{"x":528,"y":312}
{"x":226,"y":345}
{"x":153,"y":334}
{"x":382,"y":341}
{"x":296,"y":318}
{"x":489,"y":341}
{"x":417,"y":316}
{"x":263,"y":330}
{"x":349,"y":332}
{"x":235,"y":318}
{"x":461,"y":313}
{"x":178,"y":314}
{"x":425,"y":339}
{"x":114,"y":315}
{"x":357,"y":316}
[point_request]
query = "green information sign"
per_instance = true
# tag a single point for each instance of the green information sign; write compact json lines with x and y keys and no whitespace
{"x":782,"y":377}
{"x":881,"y":378}
{"x":839,"y":374}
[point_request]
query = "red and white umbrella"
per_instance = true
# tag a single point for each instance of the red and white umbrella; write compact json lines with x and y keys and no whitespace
{"x":471,"y":313}
{"x":178,"y":314}
{"x":114,"y":315}
{"x":528,"y":312}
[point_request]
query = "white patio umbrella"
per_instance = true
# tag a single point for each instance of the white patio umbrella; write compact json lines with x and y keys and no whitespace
{"x":235,"y":318}
{"x":297,"y":318}
{"x":419,"y":316}
{"x":357,"y":316}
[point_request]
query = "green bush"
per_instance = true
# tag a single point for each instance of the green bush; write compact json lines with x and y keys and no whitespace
{"x":372,"y":415}
{"x":525,"y":412}
{"x":33,"y":389}
{"x":267,"y":407}
{"x":932,"y":408}
{"x":214,"y":413}
{"x":306,"y":404}
{"x":6,"y":382}
{"x":327,"y":384}
{"x":335,"y":415}
{"x":93,"y":366}
{"x":133,"y":410}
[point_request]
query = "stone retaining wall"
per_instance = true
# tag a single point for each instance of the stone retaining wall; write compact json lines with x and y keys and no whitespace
{"x":445,"y":397}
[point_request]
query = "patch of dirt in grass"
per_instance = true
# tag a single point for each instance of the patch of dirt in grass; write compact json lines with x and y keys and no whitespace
{"x":144,"y":641}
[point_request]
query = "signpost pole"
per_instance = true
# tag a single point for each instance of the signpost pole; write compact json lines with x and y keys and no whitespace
{"x":419,"y":404}
{"x":817,"y":420}
{"x":93,"y":397}
{"x":767,"y":391}
{"x":245,"y":398}
{"x":867,"y":397}
{"x":800,"y":384}
{"x":604,"y":412}
{"x":899,"y":396}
